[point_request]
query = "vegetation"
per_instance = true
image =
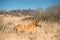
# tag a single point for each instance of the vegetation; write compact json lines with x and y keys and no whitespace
{"x":51,"y":13}
{"x":45,"y":23}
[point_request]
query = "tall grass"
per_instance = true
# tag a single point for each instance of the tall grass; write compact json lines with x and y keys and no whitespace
{"x":48,"y":31}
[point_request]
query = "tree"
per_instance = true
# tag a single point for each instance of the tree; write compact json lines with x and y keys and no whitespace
{"x":53,"y":12}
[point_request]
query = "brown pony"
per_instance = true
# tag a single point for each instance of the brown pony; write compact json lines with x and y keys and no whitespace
{"x":30,"y":27}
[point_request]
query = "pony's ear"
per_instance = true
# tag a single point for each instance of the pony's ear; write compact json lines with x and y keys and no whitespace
{"x":38,"y":23}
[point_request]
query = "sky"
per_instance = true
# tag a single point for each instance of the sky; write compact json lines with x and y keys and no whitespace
{"x":26,"y":4}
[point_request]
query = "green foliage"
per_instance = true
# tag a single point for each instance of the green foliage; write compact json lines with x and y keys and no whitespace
{"x":51,"y":13}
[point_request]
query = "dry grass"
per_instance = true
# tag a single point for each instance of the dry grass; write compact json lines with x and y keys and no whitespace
{"x":47,"y":31}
